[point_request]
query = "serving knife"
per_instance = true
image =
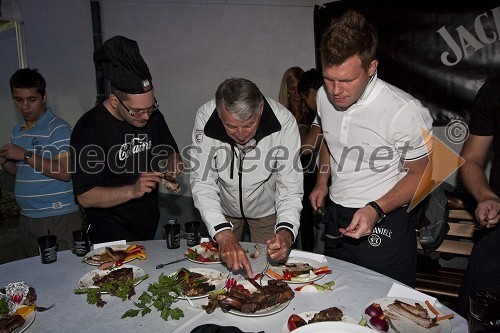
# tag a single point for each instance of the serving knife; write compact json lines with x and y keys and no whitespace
{"x":168,"y":263}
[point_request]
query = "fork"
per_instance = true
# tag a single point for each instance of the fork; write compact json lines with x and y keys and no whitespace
{"x":263,"y":273}
{"x":334,"y":237}
{"x":43,"y":308}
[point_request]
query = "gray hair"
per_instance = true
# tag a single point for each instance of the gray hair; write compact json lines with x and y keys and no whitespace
{"x":240,"y":97}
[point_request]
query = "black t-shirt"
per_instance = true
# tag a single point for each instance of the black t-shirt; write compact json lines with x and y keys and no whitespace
{"x":112,"y":153}
{"x":485,"y":121}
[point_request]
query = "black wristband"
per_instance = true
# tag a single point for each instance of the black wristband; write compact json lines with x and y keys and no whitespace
{"x":380,"y":212}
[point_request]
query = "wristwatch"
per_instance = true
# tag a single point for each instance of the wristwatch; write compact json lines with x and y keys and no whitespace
{"x":380,"y":212}
{"x":27,"y":155}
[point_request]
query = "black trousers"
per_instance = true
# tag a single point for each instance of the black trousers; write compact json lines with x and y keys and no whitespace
{"x":307,"y":214}
{"x":391,"y":249}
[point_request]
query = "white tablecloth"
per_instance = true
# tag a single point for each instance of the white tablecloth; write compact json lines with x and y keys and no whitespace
{"x":355,"y":287}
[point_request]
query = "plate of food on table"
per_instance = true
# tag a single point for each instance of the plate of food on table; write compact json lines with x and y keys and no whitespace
{"x":17,"y":307}
{"x":332,"y":314}
{"x":298,"y":270}
{"x":105,"y":257}
{"x":249,"y":298}
{"x":97,"y":278}
{"x":117,"y":281}
{"x":399,"y":314}
{"x":196,"y":283}
{"x":203,"y":253}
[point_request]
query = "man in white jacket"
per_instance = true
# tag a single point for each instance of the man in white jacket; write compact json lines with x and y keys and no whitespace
{"x":245,"y":170}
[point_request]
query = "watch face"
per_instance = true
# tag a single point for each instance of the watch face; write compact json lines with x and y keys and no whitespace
{"x":27,"y":155}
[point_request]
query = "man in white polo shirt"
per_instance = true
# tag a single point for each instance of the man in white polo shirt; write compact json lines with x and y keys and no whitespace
{"x":375,"y":153}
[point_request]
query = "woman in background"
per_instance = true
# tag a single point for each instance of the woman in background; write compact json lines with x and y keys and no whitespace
{"x":291,"y":98}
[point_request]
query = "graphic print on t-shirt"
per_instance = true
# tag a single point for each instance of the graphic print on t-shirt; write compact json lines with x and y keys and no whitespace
{"x":134,"y":145}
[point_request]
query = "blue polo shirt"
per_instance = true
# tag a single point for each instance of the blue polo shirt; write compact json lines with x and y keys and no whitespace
{"x":38,"y":195}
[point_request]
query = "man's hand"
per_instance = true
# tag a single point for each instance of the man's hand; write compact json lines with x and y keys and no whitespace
{"x":12,"y":152}
{"x":146,"y":183}
{"x":317,"y":196}
{"x":362,"y":223}
{"x":487,"y":212}
{"x":231,"y":252}
{"x":278,"y":247}
{"x":175,"y":165}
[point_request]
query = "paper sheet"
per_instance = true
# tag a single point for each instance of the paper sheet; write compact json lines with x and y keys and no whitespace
{"x":398,"y":290}
{"x":120,"y":242}
{"x":309,"y":255}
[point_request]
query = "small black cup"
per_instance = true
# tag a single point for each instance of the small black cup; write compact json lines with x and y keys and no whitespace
{"x":172,"y":232}
{"x":193,"y":233}
{"x":484,"y":312}
{"x":47,"y":246}
{"x":81,"y":243}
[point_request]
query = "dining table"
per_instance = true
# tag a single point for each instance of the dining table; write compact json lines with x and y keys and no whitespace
{"x":355,"y":287}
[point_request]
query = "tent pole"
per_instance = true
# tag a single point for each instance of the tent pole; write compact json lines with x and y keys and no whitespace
{"x":97,"y":36}
{"x":21,"y":48}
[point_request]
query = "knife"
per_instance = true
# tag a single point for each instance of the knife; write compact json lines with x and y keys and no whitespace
{"x":168,"y":263}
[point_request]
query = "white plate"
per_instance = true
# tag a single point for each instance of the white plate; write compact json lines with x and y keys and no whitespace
{"x":88,"y":257}
{"x":404,"y":324}
{"x":315,"y":264}
{"x":27,"y":322}
{"x":333,"y":327}
{"x":200,"y":250}
{"x":86,"y":280}
{"x":310,"y":314}
{"x":215,"y":277}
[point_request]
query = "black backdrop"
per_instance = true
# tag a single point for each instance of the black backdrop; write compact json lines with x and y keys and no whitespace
{"x":440,"y":51}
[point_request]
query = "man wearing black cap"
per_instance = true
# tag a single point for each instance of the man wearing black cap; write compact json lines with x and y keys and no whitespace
{"x":120,"y":145}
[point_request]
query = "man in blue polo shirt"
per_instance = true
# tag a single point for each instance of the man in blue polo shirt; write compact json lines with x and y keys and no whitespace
{"x":39,"y":159}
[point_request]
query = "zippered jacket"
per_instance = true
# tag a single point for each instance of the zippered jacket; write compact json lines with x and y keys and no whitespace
{"x":248,"y":183}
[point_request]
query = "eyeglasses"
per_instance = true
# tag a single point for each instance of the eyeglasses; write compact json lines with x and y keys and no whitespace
{"x":138,"y":113}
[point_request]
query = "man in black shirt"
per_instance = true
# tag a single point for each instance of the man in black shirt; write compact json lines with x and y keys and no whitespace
{"x":483,"y":270}
{"x":120,"y":145}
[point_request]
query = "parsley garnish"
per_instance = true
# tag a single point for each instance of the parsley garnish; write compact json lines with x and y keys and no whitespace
{"x":160,"y":295}
{"x":193,"y":255}
{"x":4,"y":307}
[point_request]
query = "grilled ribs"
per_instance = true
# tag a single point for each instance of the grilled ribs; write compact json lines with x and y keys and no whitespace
{"x":330,"y":314}
{"x":196,"y":283}
{"x":9,"y":323}
{"x":276,"y":292}
{"x":170,"y":183}
{"x":122,"y":275}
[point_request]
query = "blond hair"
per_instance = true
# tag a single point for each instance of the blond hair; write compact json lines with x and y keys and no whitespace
{"x":292,"y":73}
